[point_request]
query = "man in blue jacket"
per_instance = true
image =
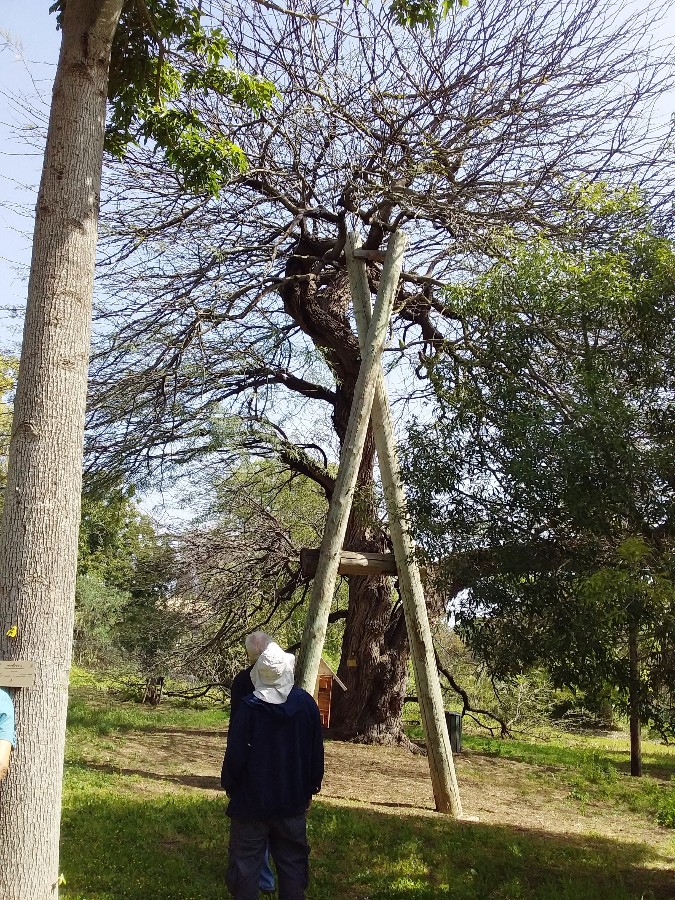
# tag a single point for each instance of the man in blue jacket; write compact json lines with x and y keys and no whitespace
{"x":7,"y":735}
{"x":241,"y":687}
{"x":273,"y":765}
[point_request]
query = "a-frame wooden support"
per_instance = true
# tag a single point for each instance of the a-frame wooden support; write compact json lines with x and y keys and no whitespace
{"x":323,"y":588}
{"x":371,"y":397}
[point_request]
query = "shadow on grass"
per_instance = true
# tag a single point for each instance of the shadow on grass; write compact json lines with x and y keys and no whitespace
{"x":173,"y":846}
{"x":203,"y":782}
{"x":122,"y":718}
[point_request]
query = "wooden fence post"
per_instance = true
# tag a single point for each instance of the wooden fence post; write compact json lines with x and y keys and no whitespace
{"x":443,"y":777}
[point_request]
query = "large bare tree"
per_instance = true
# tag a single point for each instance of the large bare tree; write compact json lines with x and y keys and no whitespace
{"x":489,"y":127}
{"x":41,"y":513}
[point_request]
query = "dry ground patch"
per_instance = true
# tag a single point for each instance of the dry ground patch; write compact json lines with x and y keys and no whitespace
{"x":498,"y":791}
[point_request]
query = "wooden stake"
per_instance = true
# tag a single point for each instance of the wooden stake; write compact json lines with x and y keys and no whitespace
{"x":443,"y":777}
{"x":323,"y":588}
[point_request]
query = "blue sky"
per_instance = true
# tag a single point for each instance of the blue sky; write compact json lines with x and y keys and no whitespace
{"x":29,"y":72}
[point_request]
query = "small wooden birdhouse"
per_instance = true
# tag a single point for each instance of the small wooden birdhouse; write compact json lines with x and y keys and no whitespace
{"x":323,"y":691}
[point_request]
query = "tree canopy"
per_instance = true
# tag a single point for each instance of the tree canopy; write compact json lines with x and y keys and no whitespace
{"x":549,"y":461}
{"x":468,"y":137}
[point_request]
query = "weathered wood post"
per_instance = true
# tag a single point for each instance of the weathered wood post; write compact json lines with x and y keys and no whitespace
{"x":443,"y":777}
{"x":323,"y":588}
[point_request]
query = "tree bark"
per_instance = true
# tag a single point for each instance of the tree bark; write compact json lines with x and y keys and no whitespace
{"x":634,"y":702}
{"x":373,"y":665}
{"x":38,"y":545}
{"x":375,"y":635}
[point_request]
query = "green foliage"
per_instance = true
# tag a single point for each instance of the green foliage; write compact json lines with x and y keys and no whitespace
{"x":525,"y":702}
{"x":597,"y":769}
{"x":163,"y":57}
{"x":552,"y":450}
{"x":126,"y":573}
{"x":99,"y":614}
{"x":665,"y":814}
{"x":426,"y":13}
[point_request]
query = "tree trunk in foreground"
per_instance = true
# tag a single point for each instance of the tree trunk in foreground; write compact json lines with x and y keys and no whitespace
{"x":38,"y":546}
{"x":634,"y":702}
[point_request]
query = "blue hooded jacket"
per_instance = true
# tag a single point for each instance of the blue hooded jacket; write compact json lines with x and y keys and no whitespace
{"x":274,"y":757}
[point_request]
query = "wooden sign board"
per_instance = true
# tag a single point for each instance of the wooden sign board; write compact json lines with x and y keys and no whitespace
{"x":17,"y":674}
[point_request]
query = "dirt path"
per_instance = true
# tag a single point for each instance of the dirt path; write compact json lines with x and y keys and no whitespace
{"x":498,"y":791}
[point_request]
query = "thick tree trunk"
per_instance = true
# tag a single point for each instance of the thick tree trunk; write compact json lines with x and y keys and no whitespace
{"x":374,"y":666}
{"x":375,"y":634}
{"x":634,"y":702}
{"x":38,"y":547}
{"x":375,"y":652}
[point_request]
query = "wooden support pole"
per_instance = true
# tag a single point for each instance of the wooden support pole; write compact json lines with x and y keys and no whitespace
{"x":323,"y":588}
{"x":351,"y":562}
{"x":443,"y":777}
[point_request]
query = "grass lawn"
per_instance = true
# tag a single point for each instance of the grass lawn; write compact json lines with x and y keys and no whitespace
{"x":143,"y":818}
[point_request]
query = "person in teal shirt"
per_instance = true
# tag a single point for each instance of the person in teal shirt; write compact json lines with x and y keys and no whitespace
{"x":7,"y":732}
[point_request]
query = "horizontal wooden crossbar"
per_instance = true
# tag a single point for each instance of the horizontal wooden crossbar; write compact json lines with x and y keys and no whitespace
{"x":351,"y":563}
{"x":372,"y":255}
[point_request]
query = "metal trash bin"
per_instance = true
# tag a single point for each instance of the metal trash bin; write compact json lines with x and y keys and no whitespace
{"x":454,"y":723}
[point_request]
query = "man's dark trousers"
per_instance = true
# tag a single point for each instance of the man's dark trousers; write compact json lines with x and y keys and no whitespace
{"x":287,"y":839}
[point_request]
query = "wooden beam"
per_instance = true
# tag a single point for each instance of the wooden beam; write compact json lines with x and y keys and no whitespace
{"x":371,"y":255}
{"x":351,"y":563}
{"x":461,"y":570}
{"x":323,"y":588}
{"x":441,"y":765}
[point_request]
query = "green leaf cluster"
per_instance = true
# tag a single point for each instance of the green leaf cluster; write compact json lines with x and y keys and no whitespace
{"x":163,"y":57}
{"x":423,"y":13}
{"x":552,"y":452}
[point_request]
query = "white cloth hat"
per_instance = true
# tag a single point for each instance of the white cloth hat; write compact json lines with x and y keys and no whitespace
{"x":273,"y":674}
